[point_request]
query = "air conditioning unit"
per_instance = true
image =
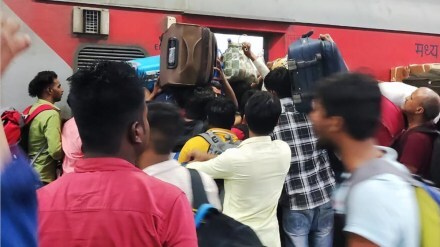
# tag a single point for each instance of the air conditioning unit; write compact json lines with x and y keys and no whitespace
{"x":91,"y":21}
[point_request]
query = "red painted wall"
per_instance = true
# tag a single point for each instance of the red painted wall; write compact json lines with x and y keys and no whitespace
{"x":374,"y":52}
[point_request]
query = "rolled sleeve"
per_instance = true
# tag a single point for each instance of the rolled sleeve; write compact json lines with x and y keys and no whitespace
{"x":218,"y":168}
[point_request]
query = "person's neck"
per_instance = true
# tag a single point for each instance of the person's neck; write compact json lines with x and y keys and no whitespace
{"x":355,"y":153}
{"x":48,"y":99}
{"x":253,"y":134}
{"x":414,"y":121}
{"x":126,"y":157}
{"x":150,"y":158}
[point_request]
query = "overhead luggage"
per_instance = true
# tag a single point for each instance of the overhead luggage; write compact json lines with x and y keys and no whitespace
{"x":309,"y":60}
{"x":149,"y":68}
{"x":429,"y":79}
{"x":188,"y":55}
{"x":238,"y":67}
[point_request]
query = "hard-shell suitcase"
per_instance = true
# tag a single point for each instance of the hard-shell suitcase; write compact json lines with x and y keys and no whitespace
{"x":148,"y":68}
{"x":309,"y":60}
{"x":187,"y":56}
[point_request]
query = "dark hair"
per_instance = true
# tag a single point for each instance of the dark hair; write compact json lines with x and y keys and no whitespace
{"x":431,"y":108}
{"x":106,"y":100}
{"x":240,"y":88}
{"x":40,"y":82}
{"x":354,"y":97}
{"x":197,"y":102}
{"x":244,"y":99}
{"x":278,"y":80}
{"x":262,"y":112}
{"x":166,"y":125}
{"x":221,"y":113}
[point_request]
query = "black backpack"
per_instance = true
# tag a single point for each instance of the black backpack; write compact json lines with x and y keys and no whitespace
{"x":214,"y":229}
{"x":434,"y":169}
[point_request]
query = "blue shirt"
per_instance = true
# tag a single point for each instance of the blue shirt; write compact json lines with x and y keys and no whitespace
{"x":19,"y":203}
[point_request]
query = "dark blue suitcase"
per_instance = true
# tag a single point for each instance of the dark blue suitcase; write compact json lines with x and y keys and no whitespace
{"x":308,"y":61}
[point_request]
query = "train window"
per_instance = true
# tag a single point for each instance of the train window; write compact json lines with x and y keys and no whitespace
{"x":256,"y":41}
{"x":89,"y":54}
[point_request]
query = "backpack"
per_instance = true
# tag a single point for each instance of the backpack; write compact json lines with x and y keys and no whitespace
{"x":16,"y":125}
{"x":214,"y":229}
{"x":428,"y":199}
{"x":216,"y":144}
{"x":434,"y":167}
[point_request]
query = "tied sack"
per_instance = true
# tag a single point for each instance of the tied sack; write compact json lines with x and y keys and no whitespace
{"x":237,"y":65}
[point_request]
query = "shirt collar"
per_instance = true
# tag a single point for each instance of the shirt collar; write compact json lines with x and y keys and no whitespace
{"x":161,"y":167}
{"x":257,"y":139}
{"x":103,"y":164}
{"x":287,"y":104}
{"x":45,"y":102}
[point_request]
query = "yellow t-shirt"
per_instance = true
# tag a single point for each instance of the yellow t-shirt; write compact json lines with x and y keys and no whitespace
{"x":199,"y":143}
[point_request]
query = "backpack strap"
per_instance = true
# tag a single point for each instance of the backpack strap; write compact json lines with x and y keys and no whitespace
{"x":38,"y":154}
{"x":427,"y":130}
{"x":27,"y":110}
{"x":199,"y":194}
{"x":212,"y":140}
{"x":377,"y":167}
{"x":202,"y":212}
{"x":37,"y":111}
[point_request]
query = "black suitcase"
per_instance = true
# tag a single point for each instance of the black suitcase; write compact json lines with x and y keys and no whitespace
{"x":308,"y":61}
{"x":429,"y":79}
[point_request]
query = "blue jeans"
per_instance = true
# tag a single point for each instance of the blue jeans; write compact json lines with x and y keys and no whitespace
{"x":312,"y":227}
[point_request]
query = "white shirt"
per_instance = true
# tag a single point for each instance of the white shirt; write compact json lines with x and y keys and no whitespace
{"x":253,"y":174}
{"x":382,"y":209}
{"x":172,"y":172}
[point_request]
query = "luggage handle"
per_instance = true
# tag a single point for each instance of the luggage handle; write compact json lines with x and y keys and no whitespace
{"x":307,"y":35}
{"x":294,"y":65}
{"x":172,"y":53}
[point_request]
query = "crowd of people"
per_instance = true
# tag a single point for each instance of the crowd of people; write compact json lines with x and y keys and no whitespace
{"x":118,"y":172}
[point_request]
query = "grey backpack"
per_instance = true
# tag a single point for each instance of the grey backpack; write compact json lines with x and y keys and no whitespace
{"x":216,"y":144}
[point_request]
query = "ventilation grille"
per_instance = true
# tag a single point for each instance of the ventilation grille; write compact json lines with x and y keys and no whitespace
{"x":91,"y":21}
{"x":89,"y":55}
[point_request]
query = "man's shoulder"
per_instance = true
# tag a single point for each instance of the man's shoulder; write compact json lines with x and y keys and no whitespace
{"x":47,"y":114}
{"x":284,"y":146}
{"x":197,"y":141}
{"x":134,"y":184}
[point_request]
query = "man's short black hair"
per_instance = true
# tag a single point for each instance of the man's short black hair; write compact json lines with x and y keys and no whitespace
{"x":354,"y":97}
{"x":106,"y":99}
{"x":221,"y":113}
{"x":40,"y":82}
{"x":244,"y":99}
{"x":278,"y":80}
{"x":166,"y":126}
{"x":197,"y":102}
{"x":262,"y":112}
{"x":240,"y":87}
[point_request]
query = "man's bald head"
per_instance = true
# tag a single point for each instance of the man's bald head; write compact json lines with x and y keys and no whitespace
{"x":429,"y":101}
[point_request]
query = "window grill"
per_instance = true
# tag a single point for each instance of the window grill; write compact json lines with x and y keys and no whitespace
{"x":92,"y":21}
{"x":89,"y":55}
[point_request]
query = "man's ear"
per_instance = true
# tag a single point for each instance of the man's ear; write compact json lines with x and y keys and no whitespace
{"x":420,"y":110}
{"x":336,"y":124}
{"x":137,"y":133}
